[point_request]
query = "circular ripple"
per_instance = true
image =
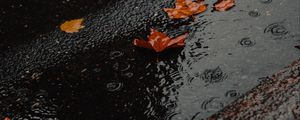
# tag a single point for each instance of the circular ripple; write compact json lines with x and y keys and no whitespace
{"x":114,"y":86}
{"x":97,"y":70}
{"x":123,"y":66}
{"x":175,"y":116}
{"x":115,"y":54}
{"x":265,"y":1}
{"x":213,"y":75}
{"x":247,"y":42}
{"x":190,"y":80}
{"x":232,"y":93}
{"x":151,"y":101}
{"x":212,"y":104}
{"x":276,"y":29}
{"x":129,"y":75}
{"x":196,"y":116}
{"x":170,"y":105}
{"x":254,"y":13}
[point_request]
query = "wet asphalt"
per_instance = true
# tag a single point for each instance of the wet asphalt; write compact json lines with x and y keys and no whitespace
{"x":98,"y":74}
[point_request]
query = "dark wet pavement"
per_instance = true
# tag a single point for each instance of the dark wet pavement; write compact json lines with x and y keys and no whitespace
{"x":21,"y":21}
{"x":98,"y":74}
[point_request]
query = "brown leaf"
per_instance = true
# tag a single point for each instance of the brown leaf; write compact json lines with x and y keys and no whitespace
{"x":186,"y":8}
{"x":223,"y":5}
{"x":72,"y":26}
{"x":159,"y":41}
{"x":7,"y":118}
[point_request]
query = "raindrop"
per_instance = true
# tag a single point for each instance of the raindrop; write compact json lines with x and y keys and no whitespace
{"x":197,"y":55}
{"x":213,"y":75}
{"x":3,"y":92}
{"x":116,"y":54}
{"x":213,"y":104}
{"x":116,"y":66}
{"x":122,"y":67}
{"x":130,"y":74}
{"x":36,"y":76}
{"x":83,"y":70}
{"x":174,"y":116}
{"x":232,"y":93}
{"x":276,"y":29}
{"x":247,"y":42}
{"x":254,"y":13}
{"x":198,"y":44}
{"x":125,"y":67}
{"x":41,"y":94}
{"x":97,"y":70}
{"x":170,"y":105}
{"x":196,"y":116}
{"x":151,"y":103}
{"x":190,"y":80}
{"x":114,"y":86}
{"x":265,"y":1}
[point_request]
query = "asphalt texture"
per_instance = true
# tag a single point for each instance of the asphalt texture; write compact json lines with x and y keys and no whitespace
{"x":98,"y":74}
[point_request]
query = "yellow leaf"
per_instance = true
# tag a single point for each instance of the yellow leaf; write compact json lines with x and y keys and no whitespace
{"x":72,"y":26}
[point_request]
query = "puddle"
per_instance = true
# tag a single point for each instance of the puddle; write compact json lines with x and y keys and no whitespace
{"x":226,"y":55}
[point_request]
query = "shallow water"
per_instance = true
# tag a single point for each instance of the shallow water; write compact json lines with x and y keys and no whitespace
{"x":226,"y":54}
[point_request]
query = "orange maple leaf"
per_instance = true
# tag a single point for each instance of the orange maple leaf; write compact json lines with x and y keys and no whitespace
{"x":7,"y":118}
{"x":223,"y":5}
{"x":186,"y":8}
{"x":159,"y":41}
{"x":72,"y":26}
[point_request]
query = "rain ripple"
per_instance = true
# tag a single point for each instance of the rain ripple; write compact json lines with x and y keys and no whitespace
{"x":211,"y":76}
{"x":114,"y":86}
{"x":212,"y":104}
{"x":175,"y":116}
{"x":276,"y":29}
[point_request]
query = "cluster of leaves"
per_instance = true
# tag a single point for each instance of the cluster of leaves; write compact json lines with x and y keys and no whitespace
{"x":156,"y":40}
{"x":188,"y":8}
{"x":183,"y":9}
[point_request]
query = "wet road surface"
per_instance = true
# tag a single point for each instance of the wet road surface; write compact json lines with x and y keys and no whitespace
{"x":277,"y":97}
{"x":98,"y":74}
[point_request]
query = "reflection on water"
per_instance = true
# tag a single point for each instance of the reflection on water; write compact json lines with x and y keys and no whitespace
{"x":122,"y":84}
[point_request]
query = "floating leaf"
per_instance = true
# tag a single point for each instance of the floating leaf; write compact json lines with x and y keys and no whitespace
{"x":298,"y":46}
{"x":159,"y":41}
{"x":72,"y":26}
{"x":186,"y":8}
{"x":7,"y":118}
{"x":223,"y":5}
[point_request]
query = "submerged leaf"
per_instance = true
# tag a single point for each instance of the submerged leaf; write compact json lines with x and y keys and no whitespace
{"x":223,"y":5}
{"x":72,"y":26}
{"x":186,"y":8}
{"x":159,"y":41}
